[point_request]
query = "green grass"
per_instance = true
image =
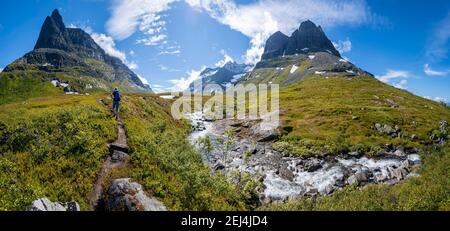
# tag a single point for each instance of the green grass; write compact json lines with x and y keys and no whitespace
{"x":51,"y":147}
{"x":15,"y":87}
{"x":320,"y":111}
{"x":165,"y":163}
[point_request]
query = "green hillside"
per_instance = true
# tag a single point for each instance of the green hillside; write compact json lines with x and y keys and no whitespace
{"x":51,"y":147}
{"x":54,"y":145}
{"x":336,"y":114}
{"x":326,"y":110}
{"x":26,"y":84}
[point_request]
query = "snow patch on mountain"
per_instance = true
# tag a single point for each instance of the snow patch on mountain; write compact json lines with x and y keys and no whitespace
{"x":294,"y":69}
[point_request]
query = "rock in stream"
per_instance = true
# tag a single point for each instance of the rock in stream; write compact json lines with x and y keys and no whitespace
{"x":291,"y":177}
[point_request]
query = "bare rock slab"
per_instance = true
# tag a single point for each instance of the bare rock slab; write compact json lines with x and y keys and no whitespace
{"x":45,"y":205}
{"x":125,"y":195}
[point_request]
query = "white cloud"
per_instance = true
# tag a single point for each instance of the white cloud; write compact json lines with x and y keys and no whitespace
{"x":343,"y":46}
{"x":438,"y":47}
{"x":184,"y":82}
{"x":143,"y":80}
{"x":132,"y":65}
{"x":153,"y":40}
{"x":109,"y":46}
{"x":1,"y":69}
{"x":107,"y":43}
{"x":393,"y":74}
{"x":437,"y":99}
{"x":163,"y":68}
{"x":396,"y":78}
{"x":257,"y":20}
{"x":401,"y":84}
{"x":132,"y":52}
{"x":261,"y":19}
{"x":430,"y":72}
{"x":226,"y":59}
{"x":159,"y":88}
{"x":128,"y":16}
{"x":174,"y":52}
{"x":174,"y":49}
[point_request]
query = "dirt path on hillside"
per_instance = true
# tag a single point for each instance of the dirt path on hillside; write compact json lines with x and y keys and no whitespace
{"x":118,"y":157}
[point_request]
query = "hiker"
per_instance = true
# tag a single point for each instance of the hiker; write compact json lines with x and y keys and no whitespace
{"x":116,"y":100}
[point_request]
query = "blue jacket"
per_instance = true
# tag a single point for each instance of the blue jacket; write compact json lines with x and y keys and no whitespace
{"x":116,"y":95}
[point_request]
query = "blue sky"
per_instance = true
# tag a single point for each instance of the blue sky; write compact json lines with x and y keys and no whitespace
{"x":168,"y":42}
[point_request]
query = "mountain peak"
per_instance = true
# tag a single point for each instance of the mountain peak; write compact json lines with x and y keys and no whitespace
{"x":308,"y":38}
{"x":57,"y":18}
{"x":66,"y":49}
{"x":307,"y":23}
{"x":52,"y":32}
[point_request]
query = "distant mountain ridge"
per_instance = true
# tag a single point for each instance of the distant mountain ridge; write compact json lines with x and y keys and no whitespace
{"x":72,"y":50}
{"x":223,"y":76}
{"x":308,"y":38}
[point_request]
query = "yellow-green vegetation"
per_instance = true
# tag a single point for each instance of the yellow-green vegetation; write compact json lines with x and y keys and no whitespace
{"x":52,"y":147}
{"x":22,"y":85}
{"x":427,"y":192}
{"x":165,"y":163}
{"x":322,"y":116}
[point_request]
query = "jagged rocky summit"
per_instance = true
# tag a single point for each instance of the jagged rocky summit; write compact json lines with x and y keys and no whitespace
{"x":308,"y":38}
{"x":73,"y":51}
{"x":307,"y":52}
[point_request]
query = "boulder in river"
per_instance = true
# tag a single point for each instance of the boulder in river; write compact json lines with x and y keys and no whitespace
{"x":312,"y":165}
{"x":358,"y":178}
{"x":264,"y":133}
{"x":285,"y":173}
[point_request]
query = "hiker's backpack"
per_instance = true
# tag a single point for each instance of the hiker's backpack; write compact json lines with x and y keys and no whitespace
{"x":117,"y":96}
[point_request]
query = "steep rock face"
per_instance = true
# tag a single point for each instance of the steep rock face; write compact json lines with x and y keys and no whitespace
{"x":52,"y":33}
{"x":230,"y":73}
{"x":55,"y":35}
{"x":61,"y":49}
{"x":308,"y":38}
{"x":275,"y":45}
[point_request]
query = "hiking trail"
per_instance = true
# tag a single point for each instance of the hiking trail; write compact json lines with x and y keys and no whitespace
{"x":118,"y":157}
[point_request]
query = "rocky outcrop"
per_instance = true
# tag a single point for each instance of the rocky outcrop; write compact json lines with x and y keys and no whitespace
{"x":264,"y":131}
{"x":308,"y":38}
{"x":125,"y":195}
{"x":392,"y":131}
{"x":440,"y":135}
{"x":275,"y":45}
{"x":44,"y":204}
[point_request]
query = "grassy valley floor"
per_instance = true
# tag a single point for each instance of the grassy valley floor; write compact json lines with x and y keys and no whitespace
{"x":54,"y":147}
